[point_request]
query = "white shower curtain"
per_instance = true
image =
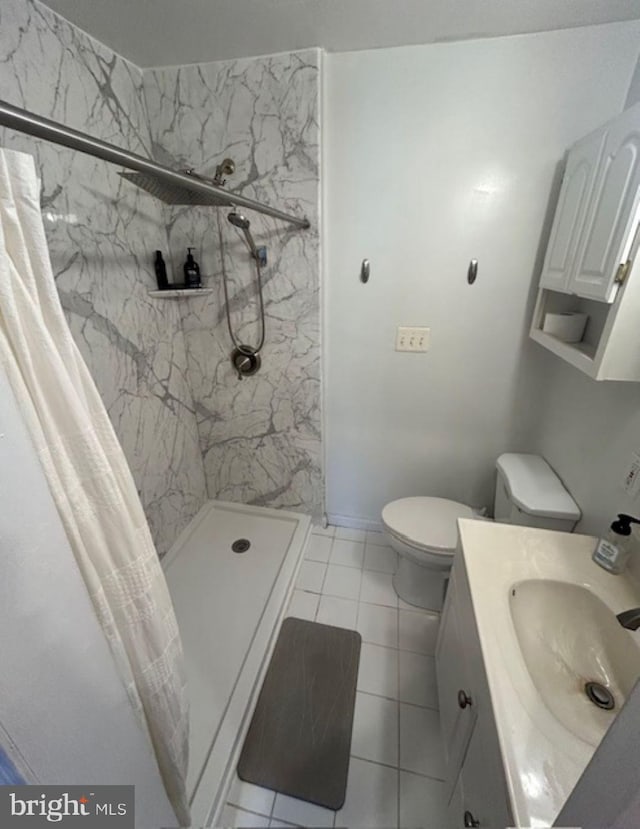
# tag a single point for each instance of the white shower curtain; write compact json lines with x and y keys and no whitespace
{"x":89,"y":478}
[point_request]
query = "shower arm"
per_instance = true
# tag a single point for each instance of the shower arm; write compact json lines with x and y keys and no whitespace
{"x":35,"y":125}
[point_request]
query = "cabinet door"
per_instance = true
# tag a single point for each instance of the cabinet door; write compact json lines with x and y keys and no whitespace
{"x":454,"y":687}
{"x":479,"y":798}
{"x":577,"y":186}
{"x":611,"y":217}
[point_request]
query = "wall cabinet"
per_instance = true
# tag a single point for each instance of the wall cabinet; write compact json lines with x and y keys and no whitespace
{"x":590,"y":265}
{"x":597,"y":212}
{"x":475,"y":780}
{"x":577,"y":186}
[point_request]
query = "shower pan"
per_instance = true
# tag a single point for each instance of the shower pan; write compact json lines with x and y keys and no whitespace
{"x":207,"y":576}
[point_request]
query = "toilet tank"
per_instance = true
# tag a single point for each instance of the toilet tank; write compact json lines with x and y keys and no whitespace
{"x":529,"y":493}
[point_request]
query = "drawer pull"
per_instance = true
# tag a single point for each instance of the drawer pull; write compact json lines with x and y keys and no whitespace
{"x":464,"y":699}
{"x":469,"y":820}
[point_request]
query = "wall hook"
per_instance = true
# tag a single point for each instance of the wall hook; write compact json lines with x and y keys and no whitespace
{"x":472,"y":273}
{"x":365,"y":271}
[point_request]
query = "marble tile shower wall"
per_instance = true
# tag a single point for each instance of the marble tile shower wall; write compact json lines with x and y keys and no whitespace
{"x":260,"y":437}
{"x":101,"y":234}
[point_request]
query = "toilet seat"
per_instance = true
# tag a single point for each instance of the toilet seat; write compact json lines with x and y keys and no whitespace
{"x":426,"y":524}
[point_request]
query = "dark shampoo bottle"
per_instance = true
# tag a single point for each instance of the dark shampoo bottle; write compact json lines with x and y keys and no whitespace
{"x":161,"y":271}
{"x":191,"y":272}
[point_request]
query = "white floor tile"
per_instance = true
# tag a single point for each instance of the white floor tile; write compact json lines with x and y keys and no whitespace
{"x":378,"y":625}
{"x":421,"y":741}
{"x":343,"y":582}
{"x":418,"y":679}
{"x":276,"y":822}
{"x":422,"y":802}
{"x":350,"y":534}
{"x":311,"y":576}
{"x":374,"y":537}
{"x":247,"y":796}
{"x":377,"y":588}
{"x":381,"y":559}
{"x":378,"y":673}
{"x":303,"y":605}
{"x":238,"y":817}
{"x":419,"y":631}
{"x":347,"y":553}
{"x":318,"y":529}
{"x":375,"y":729}
{"x":300,"y":812}
{"x":372,"y":796}
{"x":319,"y":548}
{"x":340,"y":613}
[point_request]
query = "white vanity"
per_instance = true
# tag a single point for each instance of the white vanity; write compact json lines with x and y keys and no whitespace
{"x":528,"y":620}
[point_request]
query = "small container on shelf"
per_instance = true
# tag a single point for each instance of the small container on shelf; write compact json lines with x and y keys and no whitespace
{"x":191,"y":272}
{"x":161,"y":271}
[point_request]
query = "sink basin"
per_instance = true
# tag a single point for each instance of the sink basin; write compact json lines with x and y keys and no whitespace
{"x":568,"y":638}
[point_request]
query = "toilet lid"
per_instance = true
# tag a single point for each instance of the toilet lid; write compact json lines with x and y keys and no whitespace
{"x":426,"y":522}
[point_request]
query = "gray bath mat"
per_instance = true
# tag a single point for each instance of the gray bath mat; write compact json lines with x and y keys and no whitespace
{"x":299,"y":739}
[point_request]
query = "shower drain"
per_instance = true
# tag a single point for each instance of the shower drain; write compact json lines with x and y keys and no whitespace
{"x":599,"y":695}
{"x":241,"y":545}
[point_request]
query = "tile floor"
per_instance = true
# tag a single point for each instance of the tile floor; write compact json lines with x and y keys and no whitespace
{"x":397,"y":766}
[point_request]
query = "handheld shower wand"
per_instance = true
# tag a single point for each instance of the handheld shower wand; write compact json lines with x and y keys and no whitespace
{"x":240,"y":221}
{"x":245,"y":358}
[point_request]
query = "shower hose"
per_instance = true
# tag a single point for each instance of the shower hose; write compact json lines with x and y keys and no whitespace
{"x":245,"y":349}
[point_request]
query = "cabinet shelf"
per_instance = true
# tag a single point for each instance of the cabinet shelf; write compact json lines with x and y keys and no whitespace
{"x":610,"y":347}
{"x":581,"y":355}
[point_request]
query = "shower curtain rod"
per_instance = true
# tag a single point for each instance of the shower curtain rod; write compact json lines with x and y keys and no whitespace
{"x":27,"y":122}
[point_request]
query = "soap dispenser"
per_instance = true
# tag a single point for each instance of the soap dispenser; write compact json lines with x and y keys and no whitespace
{"x":191,"y":272}
{"x":613,"y":552}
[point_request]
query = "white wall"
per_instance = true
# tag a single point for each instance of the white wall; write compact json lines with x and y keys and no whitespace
{"x":633,"y":95}
{"x":65,"y":717}
{"x":435,"y":155}
{"x":588,"y":431}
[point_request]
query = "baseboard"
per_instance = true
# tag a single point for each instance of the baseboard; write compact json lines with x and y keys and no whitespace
{"x":354,"y":523}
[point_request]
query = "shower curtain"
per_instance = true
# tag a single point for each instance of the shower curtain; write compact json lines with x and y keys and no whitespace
{"x":89,"y":478}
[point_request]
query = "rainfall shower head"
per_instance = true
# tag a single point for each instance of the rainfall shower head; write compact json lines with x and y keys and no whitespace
{"x":175,"y":193}
{"x":239,"y":220}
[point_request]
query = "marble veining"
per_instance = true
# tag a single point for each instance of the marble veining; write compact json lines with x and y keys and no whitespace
{"x":102,"y":233}
{"x":260,"y":436}
{"x":188,"y":426}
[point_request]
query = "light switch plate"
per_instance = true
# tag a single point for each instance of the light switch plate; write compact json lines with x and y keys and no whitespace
{"x":416,"y":339}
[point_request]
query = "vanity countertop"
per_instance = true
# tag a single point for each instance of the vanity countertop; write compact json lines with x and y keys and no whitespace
{"x":542,"y":759}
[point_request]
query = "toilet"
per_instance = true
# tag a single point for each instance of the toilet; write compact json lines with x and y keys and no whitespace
{"x":424,"y":530}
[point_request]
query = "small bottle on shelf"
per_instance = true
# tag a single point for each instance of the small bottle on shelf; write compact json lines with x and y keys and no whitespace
{"x":191,"y":272}
{"x":161,"y":272}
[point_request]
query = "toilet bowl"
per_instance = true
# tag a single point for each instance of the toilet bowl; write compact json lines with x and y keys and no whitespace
{"x":424,"y":533}
{"x":424,"y":530}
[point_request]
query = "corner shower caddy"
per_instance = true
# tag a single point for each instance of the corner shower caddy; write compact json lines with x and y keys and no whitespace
{"x":169,"y":185}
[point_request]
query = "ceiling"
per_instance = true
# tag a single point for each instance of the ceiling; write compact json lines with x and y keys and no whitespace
{"x":172,"y":32}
